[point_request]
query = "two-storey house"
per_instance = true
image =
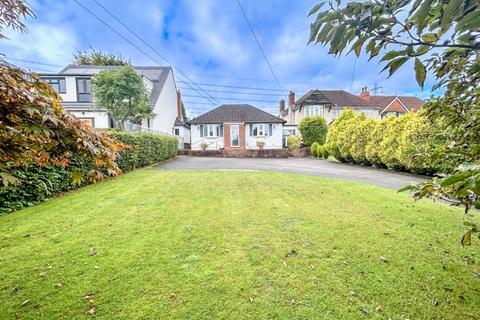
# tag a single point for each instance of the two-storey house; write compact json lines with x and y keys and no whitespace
{"x":74,"y":84}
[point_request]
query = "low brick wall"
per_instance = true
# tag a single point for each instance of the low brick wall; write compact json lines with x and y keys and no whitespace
{"x":237,"y":153}
{"x":299,"y":153}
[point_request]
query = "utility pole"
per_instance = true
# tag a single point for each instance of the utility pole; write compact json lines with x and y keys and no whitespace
{"x":376,"y":89}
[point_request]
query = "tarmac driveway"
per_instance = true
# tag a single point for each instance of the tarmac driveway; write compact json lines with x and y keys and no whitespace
{"x":307,"y":166}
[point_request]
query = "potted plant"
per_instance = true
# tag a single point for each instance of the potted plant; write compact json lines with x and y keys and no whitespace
{"x":204,"y":145}
{"x":260,"y":144}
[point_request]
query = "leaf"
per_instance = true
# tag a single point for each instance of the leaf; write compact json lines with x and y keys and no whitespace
{"x":430,"y":37}
{"x":421,"y":14}
{"x":470,"y":21}
{"x":451,"y":180}
{"x":420,"y":72}
{"x":8,"y":179}
{"x":395,"y":64}
{"x":316,"y":8}
{"x":357,"y":46}
{"x":391,"y":54}
{"x":467,"y":238}
{"x":407,"y":188}
{"x":449,"y":10}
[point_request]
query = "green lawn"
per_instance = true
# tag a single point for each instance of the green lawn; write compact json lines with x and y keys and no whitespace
{"x":236,"y":245}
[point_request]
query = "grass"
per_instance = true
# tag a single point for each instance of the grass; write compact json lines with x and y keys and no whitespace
{"x":236,"y":245}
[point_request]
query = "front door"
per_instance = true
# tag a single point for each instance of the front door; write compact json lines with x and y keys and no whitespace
{"x":234,"y":135}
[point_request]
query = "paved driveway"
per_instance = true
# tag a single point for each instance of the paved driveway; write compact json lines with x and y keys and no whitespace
{"x":308,"y":166}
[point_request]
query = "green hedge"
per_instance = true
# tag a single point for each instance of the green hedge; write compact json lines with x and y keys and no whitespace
{"x":148,"y":148}
{"x":38,"y":184}
{"x":404,"y":143}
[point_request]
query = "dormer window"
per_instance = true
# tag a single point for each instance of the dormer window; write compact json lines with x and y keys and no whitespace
{"x":58,"y":84}
{"x":84,"y":90}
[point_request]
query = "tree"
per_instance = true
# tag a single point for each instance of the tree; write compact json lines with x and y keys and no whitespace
{"x":184,"y":113}
{"x":96,"y":57}
{"x":11,"y":14}
{"x":441,"y":37}
{"x":313,"y":129}
{"x":121,"y":93}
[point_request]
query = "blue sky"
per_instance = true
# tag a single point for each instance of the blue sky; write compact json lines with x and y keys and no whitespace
{"x":210,"y":42}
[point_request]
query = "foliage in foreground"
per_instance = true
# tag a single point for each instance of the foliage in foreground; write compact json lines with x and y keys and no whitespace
{"x":35,"y":129}
{"x":313,"y":129}
{"x":438,"y":36}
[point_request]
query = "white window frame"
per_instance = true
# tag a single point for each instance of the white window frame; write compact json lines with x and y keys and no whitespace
{"x":231,"y":135}
{"x":314,"y":110}
{"x":212,"y":130}
{"x":259,"y":127}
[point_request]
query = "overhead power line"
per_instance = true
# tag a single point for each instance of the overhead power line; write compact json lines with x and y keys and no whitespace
{"x":230,"y":98}
{"x":125,"y":38}
{"x":259,"y":45}
{"x":149,"y":46}
{"x":34,"y":62}
{"x":236,"y":87}
{"x":240,"y":92}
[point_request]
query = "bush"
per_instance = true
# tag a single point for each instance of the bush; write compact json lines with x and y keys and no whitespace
{"x":361,"y":135}
{"x":391,"y":142}
{"x":39,"y":183}
{"x":373,"y":145}
{"x":417,"y":144}
{"x":147,"y":148}
{"x":294,"y":142}
{"x":314,"y":149}
{"x":345,"y":141}
{"x":313,"y":129}
{"x":325,"y":153}
{"x":335,"y":134}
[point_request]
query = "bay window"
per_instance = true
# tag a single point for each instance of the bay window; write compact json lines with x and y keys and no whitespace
{"x":211,"y":130}
{"x":313,"y":111}
{"x":261,"y":129}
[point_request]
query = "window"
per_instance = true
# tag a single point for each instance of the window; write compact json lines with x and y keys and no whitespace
{"x":211,"y":130}
{"x":261,"y":130}
{"x":58,"y":84}
{"x":234,"y":135}
{"x":369,"y":113}
{"x":84,"y":90}
{"x":313,"y":111}
{"x":177,"y":132}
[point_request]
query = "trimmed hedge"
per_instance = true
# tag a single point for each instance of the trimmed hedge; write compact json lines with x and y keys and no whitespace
{"x":147,"y":149}
{"x":404,"y":143}
{"x":38,"y":184}
{"x":294,"y":142}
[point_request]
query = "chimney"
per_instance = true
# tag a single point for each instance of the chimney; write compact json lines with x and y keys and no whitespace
{"x":291,"y":98}
{"x":282,"y":105}
{"x":179,"y":105}
{"x":365,"y":95}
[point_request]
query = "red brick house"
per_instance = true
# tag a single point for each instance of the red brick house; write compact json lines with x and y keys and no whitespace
{"x":393,"y":105}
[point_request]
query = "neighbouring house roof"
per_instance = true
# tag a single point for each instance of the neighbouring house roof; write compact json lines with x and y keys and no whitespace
{"x":339,"y":98}
{"x":157,"y":75}
{"x":180,"y":123}
{"x":409,"y":102}
{"x":236,"y":113}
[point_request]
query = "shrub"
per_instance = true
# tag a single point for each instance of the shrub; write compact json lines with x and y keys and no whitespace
{"x":313,"y":129}
{"x":391,"y":142}
{"x":325,"y":153}
{"x":361,"y":135}
{"x":373,"y":145}
{"x":345,"y":140}
{"x":314,"y":149}
{"x":147,"y":148}
{"x":294,"y":142}
{"x":417,"y":145}
{"x":335,"y":132}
